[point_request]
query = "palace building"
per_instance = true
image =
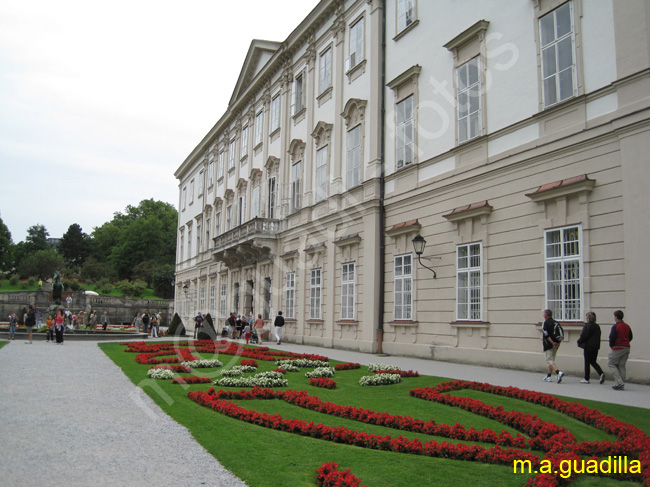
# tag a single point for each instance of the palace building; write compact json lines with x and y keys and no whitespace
{"x":512,"y":136}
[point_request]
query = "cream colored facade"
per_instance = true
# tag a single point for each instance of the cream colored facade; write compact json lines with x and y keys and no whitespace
{"x":513,"y":136}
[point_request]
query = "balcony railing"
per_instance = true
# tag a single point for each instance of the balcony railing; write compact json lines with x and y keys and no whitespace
{"x":257,"y":227}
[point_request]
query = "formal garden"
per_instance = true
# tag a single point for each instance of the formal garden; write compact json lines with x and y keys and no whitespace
{"x":275,"y":418}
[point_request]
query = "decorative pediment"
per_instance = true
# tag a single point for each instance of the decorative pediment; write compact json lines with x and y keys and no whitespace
{"x":577,"y":185}
{"x":354,"y":111}
{"x":218,"y":203}
{"x":473,"y":210}
{"x":272,"y":165}
{"x":229,"y":195}
{"x":322,"y":133}
{"x":297,"y":150}
{"x":256,"y":176}
{"x":259,"y":53}
{"x":241,"y":185}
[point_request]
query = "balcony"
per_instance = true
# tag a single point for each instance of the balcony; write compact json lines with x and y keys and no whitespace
{"x":248,"y":243}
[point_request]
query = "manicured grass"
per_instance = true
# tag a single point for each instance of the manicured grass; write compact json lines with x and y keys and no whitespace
{"x":3,"y":343}
{"x":265,"y":457}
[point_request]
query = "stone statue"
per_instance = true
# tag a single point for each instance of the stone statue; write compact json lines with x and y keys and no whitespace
{"x":57,"y":288}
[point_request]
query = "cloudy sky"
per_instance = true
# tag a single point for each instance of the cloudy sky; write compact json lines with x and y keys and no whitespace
{"x":100,"y":102}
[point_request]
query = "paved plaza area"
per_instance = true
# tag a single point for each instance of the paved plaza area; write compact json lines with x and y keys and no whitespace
{"x":69,"y":416}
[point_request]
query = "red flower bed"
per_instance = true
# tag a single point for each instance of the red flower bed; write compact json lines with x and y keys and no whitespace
{"x":192,"y":380}
{"x":329,"y":475}
{"x":278,"y":369}
{"x":347,"y":366}
{"x":323,"y":382}
{"x":403,"y":373}
{"x":252,"y":363}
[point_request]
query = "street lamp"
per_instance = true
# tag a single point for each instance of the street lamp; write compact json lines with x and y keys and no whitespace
{"x":418,"y":245}
{"x":186,"y":289}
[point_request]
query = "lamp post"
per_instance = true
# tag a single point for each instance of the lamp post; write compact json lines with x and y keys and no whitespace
{"x":186,"y":290}
{"x":418,"y":245}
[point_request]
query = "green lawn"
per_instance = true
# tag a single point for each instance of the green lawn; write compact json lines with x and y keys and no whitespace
{"x":265,"y":457}
{"x":3,"y":343}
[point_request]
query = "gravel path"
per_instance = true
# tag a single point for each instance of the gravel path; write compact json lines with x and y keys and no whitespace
{"x":69,"y":416}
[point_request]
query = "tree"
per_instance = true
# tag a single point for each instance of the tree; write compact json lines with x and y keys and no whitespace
{"x":6,"y":248}
{"x":36,"y":238}
{"x":162,"y":280}
{"x":93,"y":270}
{"x":75,"y":245}
{"x":41,"y":264}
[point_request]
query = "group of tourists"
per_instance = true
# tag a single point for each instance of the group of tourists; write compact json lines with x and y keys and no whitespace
{"x":148,"y":323}
{"x":620,"y":337}
{"x":240,"y":326}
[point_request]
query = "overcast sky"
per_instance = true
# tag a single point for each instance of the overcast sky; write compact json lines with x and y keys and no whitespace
{"x":100,"y":102}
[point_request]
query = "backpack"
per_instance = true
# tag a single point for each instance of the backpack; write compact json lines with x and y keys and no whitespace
{"x":558,"y":332}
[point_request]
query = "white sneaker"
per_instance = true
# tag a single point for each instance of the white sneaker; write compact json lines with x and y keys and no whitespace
{"x":548,"y":379}
{"x":584,"y":381}
{"x":559,"y":377}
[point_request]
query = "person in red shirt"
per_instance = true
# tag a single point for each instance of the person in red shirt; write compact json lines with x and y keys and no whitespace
{"x":619,"y":341}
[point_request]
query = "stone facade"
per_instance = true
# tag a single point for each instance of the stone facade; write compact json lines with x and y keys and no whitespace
{"x":510,"y":135}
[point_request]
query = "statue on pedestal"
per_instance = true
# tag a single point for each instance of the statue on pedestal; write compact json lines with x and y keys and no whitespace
{"x":57,"y":288}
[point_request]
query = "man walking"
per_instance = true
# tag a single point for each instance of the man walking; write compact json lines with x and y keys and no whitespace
{"x":278,"y":323}
{"x":551,"y":343}
{"x":105,"y":321}
{"x":619,"y":341}
{"x":198,"y":323}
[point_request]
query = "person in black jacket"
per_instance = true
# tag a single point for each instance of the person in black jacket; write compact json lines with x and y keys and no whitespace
{"x":589,"y":341}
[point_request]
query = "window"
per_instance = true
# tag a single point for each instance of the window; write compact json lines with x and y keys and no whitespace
{"x":558,"y":59}
{"x":220,"y":167}
{"x":356,"y":43}
{"x":184,"y":197}
{"x":469,"y":277}
{"x":222,"y":301}
{"x":272,"y":196}
{"x":202,"y":299}
{"x":267,"y":298}
{"x":275,"y":113}
{"x":289,"y":305}
{"x":325,"y":73}
{"x":182,"y":248}
{"x":217,"y":224}
{"x":321,"y":173}
{"x":243,"y":149}
{"x":255,"y":202}
{"x":213,"y":298}
{"x":207,"y":234}
{"x":201,"y":175}
{"x":347,"y":291}
{"x":564,"y":273}
{"x":315,"y":295}
{"x":236,"y":304}
{"x":403,"y":287}
{"x":296,"y":190}
{"x":298,"y":95}
{"x":354,"y":157}
{"x":210,"y":172}
{"x":198,"y":239}
{"x":191,"y":191}
{"x":405,"y":132}
{"x":259,"y":122}
{"x":469,"y":100}
{"x":231,"y":154}
{"x":189,"y":243}
{"x":241,"y":216}
{"x":228,"y":217}
{"x":405,"y":14}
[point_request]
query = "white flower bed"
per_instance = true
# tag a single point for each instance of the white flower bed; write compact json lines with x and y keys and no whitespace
{"x":263,"y":379}
{"x":160,"y":374}
{"x":203,"y":364}
{"x":231,"y":372}
{"x":377,"y":367}
{"x":245,"y":368}
{"x":290,"y":368}
{"x":380,"y":379}
{"x":320,"y":372}
{"x":301,"y":362}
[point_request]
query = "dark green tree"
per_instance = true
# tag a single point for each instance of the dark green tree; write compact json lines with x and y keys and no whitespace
{"x":6,"y":248}
{"x":36,"y":238}
{"x":162,"y":279}
{"x":75,"y":245}
{"x":41,"y":264}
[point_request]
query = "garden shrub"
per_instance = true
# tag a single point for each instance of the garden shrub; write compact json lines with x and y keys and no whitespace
{"x":176,"y":327}
{"x":31,"y":281}
{"x":13,"y":280}
{"x":207,"y":332}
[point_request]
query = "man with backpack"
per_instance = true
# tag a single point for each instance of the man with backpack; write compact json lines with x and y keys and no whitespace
{"x":552,"y":336}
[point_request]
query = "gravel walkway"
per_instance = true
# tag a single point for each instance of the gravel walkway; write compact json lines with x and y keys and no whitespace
{"x":69,"y":416}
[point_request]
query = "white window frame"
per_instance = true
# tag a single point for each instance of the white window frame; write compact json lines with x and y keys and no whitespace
{"x":184,"y":197}
{"x":201,"y":177}
{"x":403,"y":290}
{"x":468,"y":100}
{"x":228,"y":218}
{"x":275,"y":113}
{"x":189,"y":243}
{"x":182,"y":247}
{"x":220,"y":165}
{"x":272,"y":197}
{"x":211,"y":173}
{"x":241,"y":210}
{"x":356,"y":47}
{"x":255,"y":202}
{"x":217,"y":224}
{"x":202,"y":299}
{"x":296,"y":186}
{"x":207,"y":234}
{"x":563,"y":247}
{"x":469,"y":282}
{"x":315,"y":294}
{"x":405,"y":133}
{"x":353,"y":157}
{"x":348,"y":290}
{"x":298,"y":94}
{"x":191,"y":191}
{"x":406,"y":14}
{"x":259,"y":127}
{"x":231,"y":154}
{"x":551,"y":71}
{"x":198,"y":239}
{"x":243,"y":150}
{"x":325,"y":71}
{"x":213,"y":298}
{"x":222,"y":300}
{"x":290,"y":295}
{"x":322,"y":155}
